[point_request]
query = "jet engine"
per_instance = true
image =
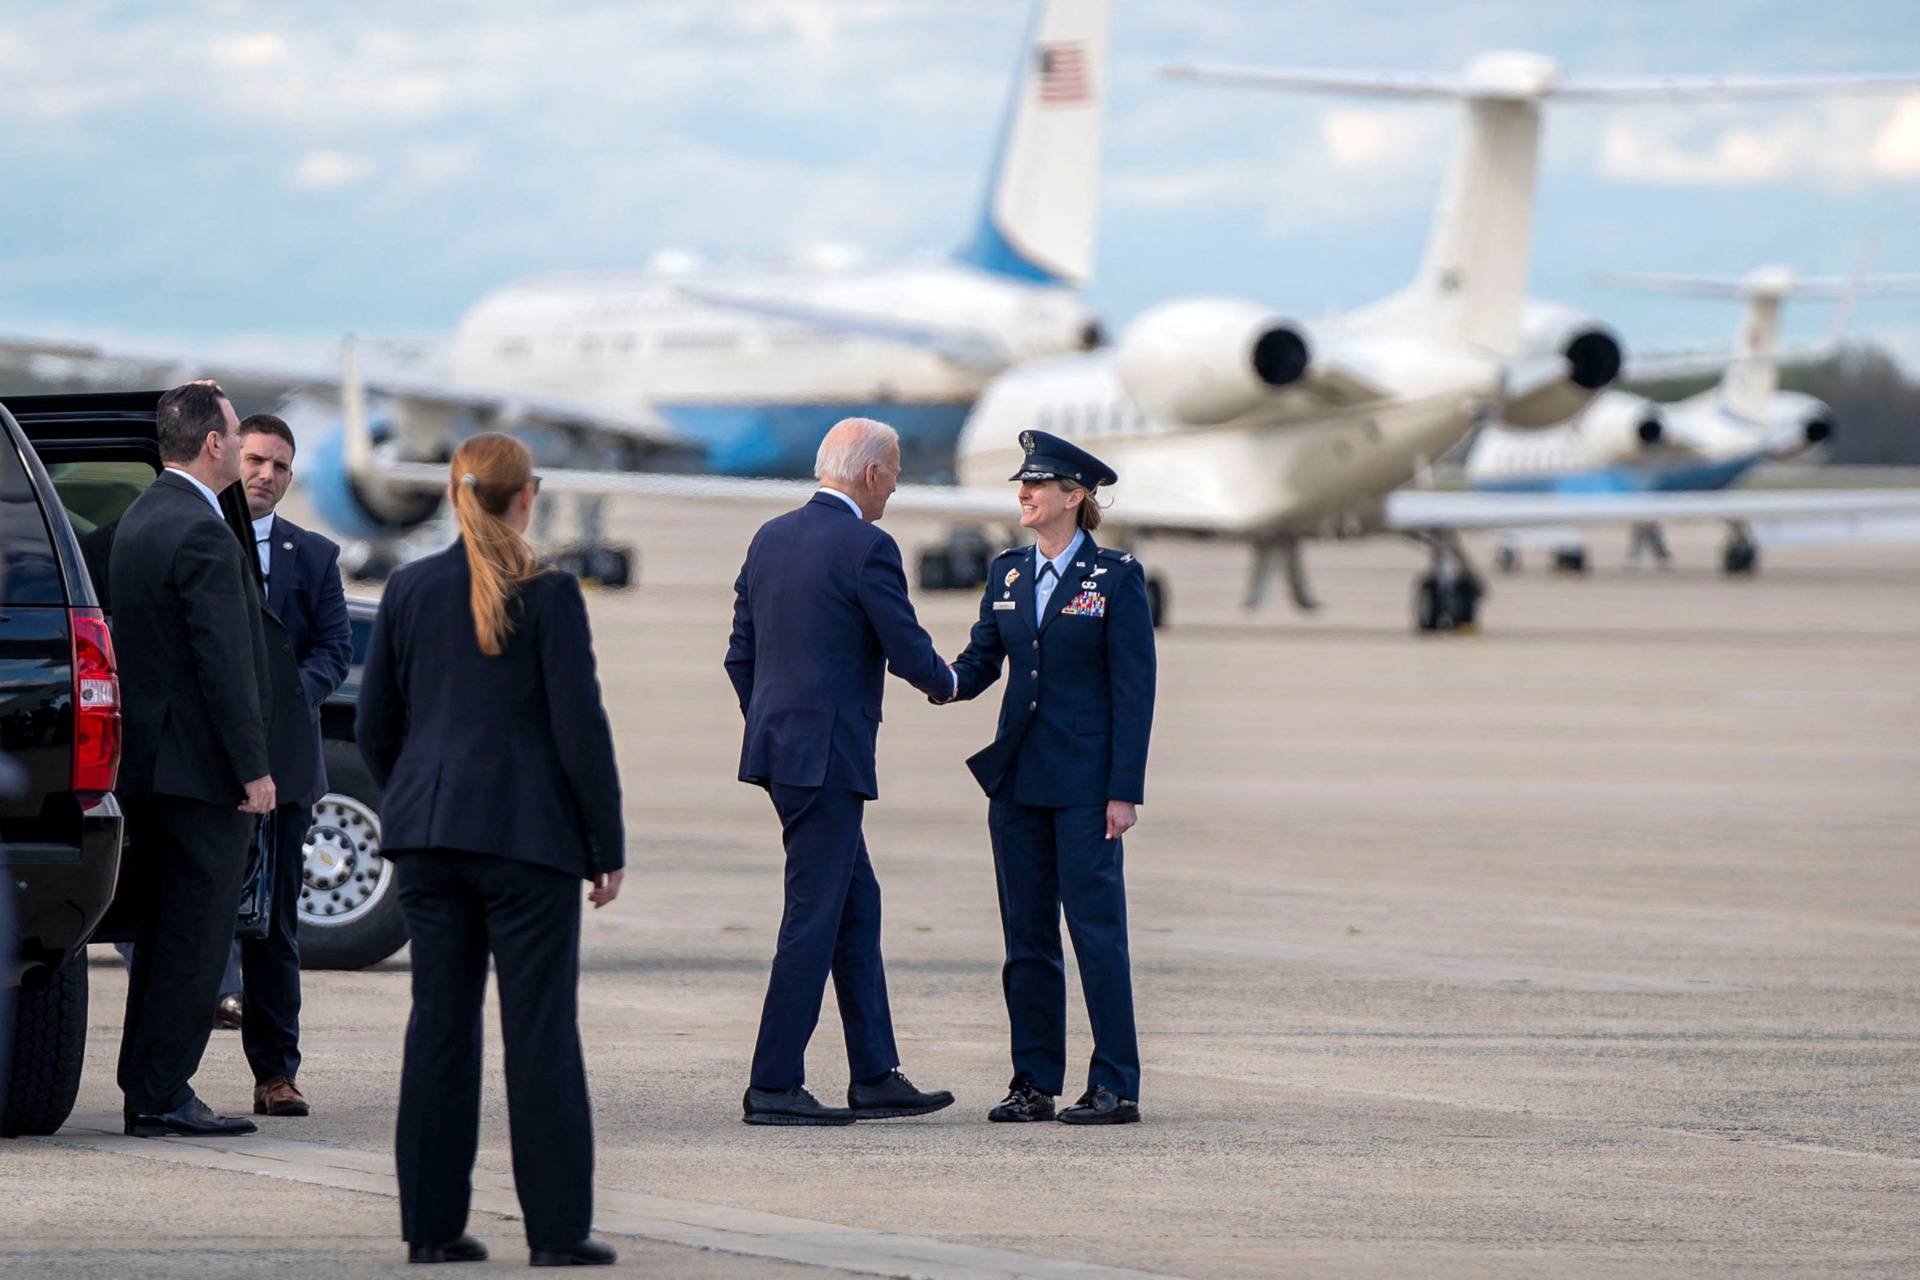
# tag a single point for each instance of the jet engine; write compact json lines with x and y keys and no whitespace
{"x":1565,"y":358}
{"x":353,"y":505}
{"x":1796,"y":422}
{"x":1207,"y":360}
{"x":1619,"y":426}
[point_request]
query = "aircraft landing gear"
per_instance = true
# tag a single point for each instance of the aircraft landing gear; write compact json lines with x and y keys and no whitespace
{"x":958,"y":564}
{"x":1740,"y":556}
{"x":1447,"y":597}
{"x":593,"y":558}
{"x":1159,"y":598}
{"x":1649,"y":538}
{"x":1506,"y":558}
{"x":1570,"y":560}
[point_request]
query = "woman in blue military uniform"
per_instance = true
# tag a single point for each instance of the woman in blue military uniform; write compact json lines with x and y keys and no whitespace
{"x":1066,"y":767}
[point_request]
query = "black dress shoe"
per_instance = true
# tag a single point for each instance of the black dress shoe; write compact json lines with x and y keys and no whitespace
{"x":191,"y":1119}
{"x":1099,"y":1105}
{"x":464,"y":1249}
{"x":789,"y":1106}
{"x":894,"y":1095}
{"x":587,"y":1253}
{"x":1023,"y":1104}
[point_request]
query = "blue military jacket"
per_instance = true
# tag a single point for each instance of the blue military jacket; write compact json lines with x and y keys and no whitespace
{"x":1078,"y":707}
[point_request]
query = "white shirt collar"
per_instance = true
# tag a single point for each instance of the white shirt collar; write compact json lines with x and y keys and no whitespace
{"x":213,"y":499}
{"x":263,"y":527}
{"x":1060,"y":561}
{"x":851,"y":504}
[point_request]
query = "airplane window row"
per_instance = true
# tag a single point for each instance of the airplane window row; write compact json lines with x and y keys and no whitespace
{"x":594,"y":345}
{"x":1095,"y":420}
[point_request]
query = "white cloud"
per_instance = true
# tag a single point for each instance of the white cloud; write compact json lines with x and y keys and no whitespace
{"x":1358,"y":139}
{"x":249,"y":51}
{"x":1838,"y":145}
{"x":328,"y":170}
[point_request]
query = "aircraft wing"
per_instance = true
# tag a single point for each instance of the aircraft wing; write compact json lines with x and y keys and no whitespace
{"x":1429,"y":510}
{"x":962,"y":346}
{"x":954,"y":502}
{"x":493,"y":409}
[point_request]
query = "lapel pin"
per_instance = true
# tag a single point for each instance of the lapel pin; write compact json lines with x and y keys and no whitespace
{"x":286,"y":546}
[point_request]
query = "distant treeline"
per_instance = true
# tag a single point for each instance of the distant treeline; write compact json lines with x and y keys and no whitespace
{"x":1875,"y":407}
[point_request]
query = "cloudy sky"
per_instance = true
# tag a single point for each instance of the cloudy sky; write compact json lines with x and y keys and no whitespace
{"x":223,"y":173}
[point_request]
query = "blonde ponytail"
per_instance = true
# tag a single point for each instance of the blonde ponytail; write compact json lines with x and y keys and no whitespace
{"x":488,"y":470}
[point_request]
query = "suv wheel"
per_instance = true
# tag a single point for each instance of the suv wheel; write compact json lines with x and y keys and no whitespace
{"x":49,"y":1044}
{"x":349,"y":907}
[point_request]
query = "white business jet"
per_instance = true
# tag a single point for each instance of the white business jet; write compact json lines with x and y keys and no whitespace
{"x":1227,"y":419}
{"x":736,"y":372}
{"x":1627,"y":443}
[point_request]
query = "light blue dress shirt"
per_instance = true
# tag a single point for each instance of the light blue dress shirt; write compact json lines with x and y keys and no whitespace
{"x":1045,"y":582}
{"x":212,"y":499}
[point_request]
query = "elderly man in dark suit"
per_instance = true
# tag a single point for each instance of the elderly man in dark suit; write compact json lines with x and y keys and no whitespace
{"x":820,"y":615}
{"x":195,"y":768}
{"x":301,"y":570}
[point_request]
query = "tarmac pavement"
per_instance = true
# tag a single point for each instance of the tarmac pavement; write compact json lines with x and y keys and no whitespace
{"x":1584,"y":946}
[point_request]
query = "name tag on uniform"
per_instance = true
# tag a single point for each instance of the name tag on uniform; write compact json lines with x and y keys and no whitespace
{"x":1004,"y":604}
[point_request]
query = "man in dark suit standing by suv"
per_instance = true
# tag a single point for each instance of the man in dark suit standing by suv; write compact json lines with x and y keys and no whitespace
{"x":820,"y":615}
{"x":194,"y":771}
{"x":304,"y":595}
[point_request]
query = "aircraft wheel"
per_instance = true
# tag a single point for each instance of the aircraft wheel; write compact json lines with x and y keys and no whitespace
{"x":1429,"y":608}
{"x":1740,"y":557}
{"x":1570,"y":560}
{"x":1159,"y":599}
{"x":611,"y":566}
{"x":1507,"y":559}
{"x":935,"y":571}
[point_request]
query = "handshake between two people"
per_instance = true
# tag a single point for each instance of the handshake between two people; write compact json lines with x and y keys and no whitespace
{"x":1121,"y":814}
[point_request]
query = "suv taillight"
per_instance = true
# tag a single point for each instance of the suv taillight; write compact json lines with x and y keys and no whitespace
{"x":96,"y":707}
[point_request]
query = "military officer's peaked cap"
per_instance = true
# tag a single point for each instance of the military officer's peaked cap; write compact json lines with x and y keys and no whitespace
{"x":1051,"y":458}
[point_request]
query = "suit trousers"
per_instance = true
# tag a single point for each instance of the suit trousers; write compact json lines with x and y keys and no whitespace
{"x":831,"y":925}
{"x":187,"y":860}
{"x":459,"y":908}
{"x":270,"y":965}
{"x":1045,"y":859}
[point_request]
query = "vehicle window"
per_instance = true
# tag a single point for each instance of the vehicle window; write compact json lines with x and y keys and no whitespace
{"x":29,"y":573}
{"x":96,"y":494}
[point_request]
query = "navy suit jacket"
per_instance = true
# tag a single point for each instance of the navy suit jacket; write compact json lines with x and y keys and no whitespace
{"x":1078,"y":708}
{"x":305,"y":593}
{"x":820,"y":615}
{"x":509,"y":755}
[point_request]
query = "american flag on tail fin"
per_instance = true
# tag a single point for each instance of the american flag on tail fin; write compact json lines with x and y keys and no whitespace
{"x":1063,"y":75}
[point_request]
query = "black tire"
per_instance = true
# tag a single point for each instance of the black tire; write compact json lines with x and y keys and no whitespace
{"x":1572,"y":560}
{"x":49,"y":1045}
{"x":936,"y":571}
{"x":1428,"y":615}
{"x":1159,"y":601}
{"x":349,"y":904}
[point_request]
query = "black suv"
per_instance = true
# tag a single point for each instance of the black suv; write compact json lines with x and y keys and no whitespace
{"x":69,"y":466}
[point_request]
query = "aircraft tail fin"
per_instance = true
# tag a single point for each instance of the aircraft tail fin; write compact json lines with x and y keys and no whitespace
{"x":1041,"y":210}
{"x":1471,"y":284}
{"x":1753,"y":374}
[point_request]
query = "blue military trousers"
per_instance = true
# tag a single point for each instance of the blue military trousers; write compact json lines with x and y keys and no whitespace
{"x":1047,"y":859}
{"x":831,"y":925}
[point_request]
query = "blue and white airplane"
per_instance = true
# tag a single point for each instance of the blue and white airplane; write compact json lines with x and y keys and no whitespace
{"x":731,"y":372}
{"x":1625,"y":443}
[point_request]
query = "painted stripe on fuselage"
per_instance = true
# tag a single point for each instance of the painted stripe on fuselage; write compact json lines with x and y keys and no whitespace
{"x":780,"y":440}
{"x":1673,"y":477}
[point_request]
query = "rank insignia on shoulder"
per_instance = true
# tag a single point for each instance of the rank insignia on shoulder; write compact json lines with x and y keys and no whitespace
{"x":1127,"y":558}
{"x":1013,"y":576}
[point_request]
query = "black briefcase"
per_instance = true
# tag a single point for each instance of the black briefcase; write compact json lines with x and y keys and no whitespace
{"x":256,"y":891}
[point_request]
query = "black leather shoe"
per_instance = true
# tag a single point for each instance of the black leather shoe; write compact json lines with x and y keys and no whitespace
{"x":894,"y":1096}
{"x":464,"y":1249}
{"x":588,"y":1253}
{"x":1023,"y":1104}
{"x":789,"y":1106}
{"x":191,"y":1119}
{"x":1100,"y":1106}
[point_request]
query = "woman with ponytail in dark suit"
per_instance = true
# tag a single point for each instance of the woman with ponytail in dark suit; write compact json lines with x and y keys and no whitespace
{"x":480,"y":714}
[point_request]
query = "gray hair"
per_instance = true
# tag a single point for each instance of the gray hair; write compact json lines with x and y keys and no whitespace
{"x":853,"y":445}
